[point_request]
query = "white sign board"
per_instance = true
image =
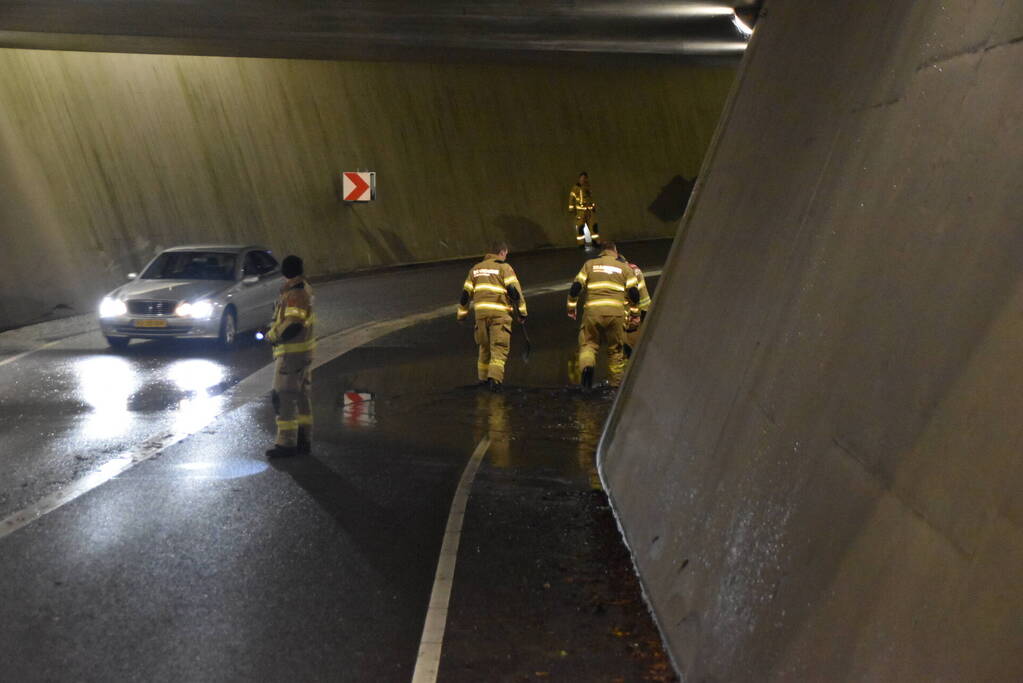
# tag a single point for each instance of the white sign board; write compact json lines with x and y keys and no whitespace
{"x":358,"y":186}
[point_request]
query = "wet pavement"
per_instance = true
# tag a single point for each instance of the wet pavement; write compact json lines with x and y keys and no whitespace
{"x":208,"y":562}
{"x":74,"y":406}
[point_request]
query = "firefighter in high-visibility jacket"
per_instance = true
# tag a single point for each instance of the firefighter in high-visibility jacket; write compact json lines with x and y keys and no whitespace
{"x":634,"y":321}
{"x":292,"y":336}
{"x":583,"y":210}
{"x":495,"y":293}
{"x":611,"y":294}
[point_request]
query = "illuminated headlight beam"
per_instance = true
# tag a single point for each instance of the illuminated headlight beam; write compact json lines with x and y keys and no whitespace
{"x":200,"y":310}
{"x":112,"y":308}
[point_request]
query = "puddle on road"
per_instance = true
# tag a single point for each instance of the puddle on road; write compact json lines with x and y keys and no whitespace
{"x":539,"y":419}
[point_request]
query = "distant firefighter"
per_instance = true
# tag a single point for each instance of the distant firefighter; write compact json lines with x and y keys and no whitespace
{"x":291,"y":334}
{"x":583,"y":210}
{"x":495,"y":293}
{"x":611,"y":293}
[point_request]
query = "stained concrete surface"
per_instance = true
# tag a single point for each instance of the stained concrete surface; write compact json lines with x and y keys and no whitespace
{"x":208,"y":562}
{"x":816,"y":457}
{"x":107,"y":158}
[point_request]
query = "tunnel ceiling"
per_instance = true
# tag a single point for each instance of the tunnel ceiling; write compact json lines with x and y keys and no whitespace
{"x":428,"y":30}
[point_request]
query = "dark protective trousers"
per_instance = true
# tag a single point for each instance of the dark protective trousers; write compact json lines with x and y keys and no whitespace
{"x":493,"y":335}
{"x":597,"y":330}
{"x":291,"y":389}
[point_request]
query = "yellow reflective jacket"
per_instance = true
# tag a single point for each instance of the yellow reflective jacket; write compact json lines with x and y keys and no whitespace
{"x":580,"y":199}
{"x":610,"y":287}
{"x":635,"y":319}
{"x":294,"y":307}
{"x":644,"y":294}
{"x":488,"y":286}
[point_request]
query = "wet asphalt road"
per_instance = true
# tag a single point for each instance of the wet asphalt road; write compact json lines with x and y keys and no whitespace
{"x":67,"y":409}
{"x":208,"y":563}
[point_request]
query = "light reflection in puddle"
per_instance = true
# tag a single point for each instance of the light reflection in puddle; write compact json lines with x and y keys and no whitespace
{"x":196,"y":376}
{"x":103,"y":473}
{"x":227,"y":469}
{"x":196,"y":412}
{"x":106,"y":383}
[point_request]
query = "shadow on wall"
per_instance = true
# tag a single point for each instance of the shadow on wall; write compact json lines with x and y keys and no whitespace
{"x":671,"y":203}
{"x":520,"y":233}
{"x":387,"y":245}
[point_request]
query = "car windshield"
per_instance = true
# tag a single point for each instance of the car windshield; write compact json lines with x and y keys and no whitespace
{"x":191,"y":265}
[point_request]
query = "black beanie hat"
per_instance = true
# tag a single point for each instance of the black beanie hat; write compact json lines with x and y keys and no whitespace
{"x":291,"y":266}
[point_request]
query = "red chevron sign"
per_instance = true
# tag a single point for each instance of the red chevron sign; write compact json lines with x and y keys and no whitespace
{"x":358,"y":186}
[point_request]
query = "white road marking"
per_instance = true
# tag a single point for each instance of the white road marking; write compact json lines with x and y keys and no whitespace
{"x":21,"y":355}
{"x":428,"y":661}
{"x":253,"y":387}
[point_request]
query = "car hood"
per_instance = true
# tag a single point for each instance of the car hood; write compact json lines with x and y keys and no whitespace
{"x":171,"y":290}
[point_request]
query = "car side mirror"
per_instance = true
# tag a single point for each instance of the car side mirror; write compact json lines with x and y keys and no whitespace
{"x":250,"y":279}
{"x":132,"y":276}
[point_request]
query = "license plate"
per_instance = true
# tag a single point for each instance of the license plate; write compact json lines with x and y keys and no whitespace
{"x":150,"y":323}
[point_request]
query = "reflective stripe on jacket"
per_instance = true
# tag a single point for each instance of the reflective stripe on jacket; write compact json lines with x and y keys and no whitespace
{"x":606,"y":281}
{"x":294,"y":307}
{"x":580,"y":199}
{"x":487,"y":285}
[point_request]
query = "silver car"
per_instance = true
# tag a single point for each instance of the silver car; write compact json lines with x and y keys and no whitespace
{"x":195,"y":292}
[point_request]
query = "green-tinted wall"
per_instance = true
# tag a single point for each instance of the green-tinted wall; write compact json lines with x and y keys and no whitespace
{"x":104,"y":158}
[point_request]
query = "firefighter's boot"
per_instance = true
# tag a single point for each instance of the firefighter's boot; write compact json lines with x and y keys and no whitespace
{"x":305,"y":442}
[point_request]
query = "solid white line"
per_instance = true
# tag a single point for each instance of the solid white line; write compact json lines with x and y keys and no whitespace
{"x":428,"y":661}
{"x":21,"y":355}
{"x":253,"y":387}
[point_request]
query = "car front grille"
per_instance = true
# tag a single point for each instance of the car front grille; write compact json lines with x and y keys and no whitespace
{"x":151,"y":307}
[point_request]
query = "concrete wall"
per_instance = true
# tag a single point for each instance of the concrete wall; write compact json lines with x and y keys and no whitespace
{"x":106,"y":157}
{"x":818,"y":456}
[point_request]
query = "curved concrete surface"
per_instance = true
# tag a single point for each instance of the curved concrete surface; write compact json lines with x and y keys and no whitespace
{"x":106,"y":157}
{"x":581,"y":31}
{"x":816,"y":460}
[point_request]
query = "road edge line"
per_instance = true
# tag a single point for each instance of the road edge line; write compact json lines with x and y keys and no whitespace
{"x":432,"y":640}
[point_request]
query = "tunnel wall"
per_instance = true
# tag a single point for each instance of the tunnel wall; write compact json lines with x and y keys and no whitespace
{"x":816,"y":458}
{"x":104,"y":158}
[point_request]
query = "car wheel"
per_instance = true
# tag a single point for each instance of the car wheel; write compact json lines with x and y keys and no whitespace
{"x":228,"y":330}
{"x":118,"y":342}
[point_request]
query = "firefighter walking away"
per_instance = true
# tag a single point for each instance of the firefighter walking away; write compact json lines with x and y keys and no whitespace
{"x":494,"y":291}
{"x":292,"y":336}
{"x":611,"y":293}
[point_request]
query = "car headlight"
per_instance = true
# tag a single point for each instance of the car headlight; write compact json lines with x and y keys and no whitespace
{"x":200,"y":310}
{"x":112,"y":308}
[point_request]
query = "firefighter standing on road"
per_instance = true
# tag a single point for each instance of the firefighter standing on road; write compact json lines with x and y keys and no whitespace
{"x":495,"y":293}
{"x":291,"y":334}
{"x":611,"y":293}
{"x":583,"y":209}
